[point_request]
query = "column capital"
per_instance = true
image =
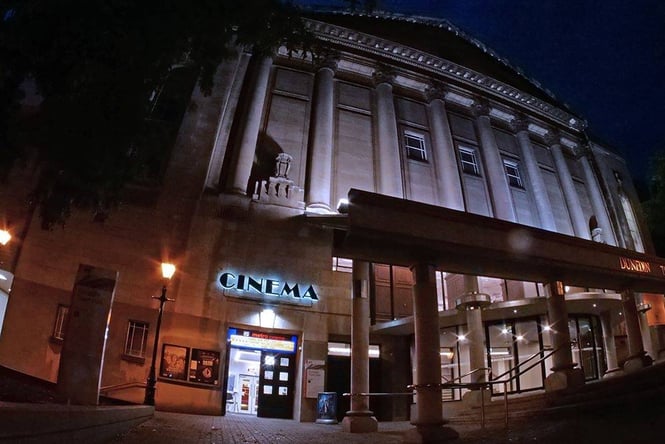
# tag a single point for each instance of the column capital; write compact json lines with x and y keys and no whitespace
{"x":435,"y":91}
{"x":480,"y":107}
{"x":383,"y":74}
{"x":552,"y":137}
{"x":329,"y":60}
{"x":519,"y":124}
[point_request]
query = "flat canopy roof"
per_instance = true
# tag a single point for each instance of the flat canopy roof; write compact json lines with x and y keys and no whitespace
{"x":379,"y":228}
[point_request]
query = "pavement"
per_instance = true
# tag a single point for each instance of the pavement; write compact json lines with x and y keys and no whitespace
{"x":167,"y":428}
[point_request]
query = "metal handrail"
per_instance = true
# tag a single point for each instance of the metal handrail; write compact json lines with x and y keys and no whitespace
{"x":112,"y":388}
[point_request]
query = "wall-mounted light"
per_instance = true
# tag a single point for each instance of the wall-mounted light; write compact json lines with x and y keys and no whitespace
{"x":267,"y":318}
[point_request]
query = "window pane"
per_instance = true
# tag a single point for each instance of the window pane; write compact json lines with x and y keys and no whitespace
{"x":469,"y":161}
{"x":60,"y":322}
{"x":137,"y":335}
{"x":415,"y":146}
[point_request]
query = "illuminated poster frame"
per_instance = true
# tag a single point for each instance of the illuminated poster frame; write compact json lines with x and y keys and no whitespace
{"x":249,"y":339}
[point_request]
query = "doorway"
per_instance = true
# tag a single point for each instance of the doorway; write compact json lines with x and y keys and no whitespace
{"x":260,"y":373}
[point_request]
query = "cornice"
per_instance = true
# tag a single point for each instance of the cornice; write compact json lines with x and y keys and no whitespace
{"x":349,"y":38}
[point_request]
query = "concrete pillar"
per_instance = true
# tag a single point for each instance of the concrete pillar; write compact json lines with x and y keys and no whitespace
{"x":580,"y":224}
{"x":319,"y":175}
{"x":597,"y":201}
{"x":428,"y":418}
{"x":443,"y":152}
{"x":637,"y":356}
{"x":565,"y":374}
{"x":472,"y":302}
{"x":250,"y":132}
{"x":534,"y":175}
{"x":359,"y":419}
{"x":608,"y":342}
{"x":502,"y":200}
{"x":389,"y":167}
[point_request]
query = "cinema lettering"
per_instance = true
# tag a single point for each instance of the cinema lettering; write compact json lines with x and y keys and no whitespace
{"x":271,"y":288}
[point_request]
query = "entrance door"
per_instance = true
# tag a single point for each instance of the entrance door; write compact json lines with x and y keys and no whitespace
{"x":276,"y":385}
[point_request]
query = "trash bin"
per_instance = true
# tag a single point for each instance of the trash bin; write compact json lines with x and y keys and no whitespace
{"x":326,"y":408}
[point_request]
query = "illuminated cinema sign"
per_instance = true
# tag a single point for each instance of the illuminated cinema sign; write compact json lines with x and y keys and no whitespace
{"x":271,"y":288}
{"x":635,"y":265}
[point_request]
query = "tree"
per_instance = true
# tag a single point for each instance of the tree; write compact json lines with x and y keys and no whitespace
{"x":98,"y":66}
{"x":654,"y":206}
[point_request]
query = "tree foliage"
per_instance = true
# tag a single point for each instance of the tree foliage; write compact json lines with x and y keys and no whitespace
{"x":654,"y":206}
{"x":96,"y":65}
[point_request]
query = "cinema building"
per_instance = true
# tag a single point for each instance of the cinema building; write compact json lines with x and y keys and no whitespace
{"x":402,"y":209}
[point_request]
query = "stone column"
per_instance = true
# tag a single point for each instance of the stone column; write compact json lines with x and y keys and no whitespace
{"x":359,"y":419}
{"x":580,"y":225}
{"x":319,"y":175}
{"x":637,"y":356}
{"x":534,"y":175}
{"x":388,"y":163}
{"x":642,"y":309}
{"x":597,"y":201}
{"x":428,"y":419}
{"x":472,"y":302}
{"x":608,"y":343}
{"x":565,"y":375}
{"x":443,"y":152}
{"x":502,"y":199}
{"x":250,"y":132}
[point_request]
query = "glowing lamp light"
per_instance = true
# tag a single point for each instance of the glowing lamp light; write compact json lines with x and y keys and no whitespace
{"x":547,"y":328}
{"x":461,"y":338}
{"x":267,"y":318}
{"x":5,"y":237}
{"x":168,"y":270}
{"x":519,"y":337}
{"x":504,"y":331}
{"x":343,"y":206}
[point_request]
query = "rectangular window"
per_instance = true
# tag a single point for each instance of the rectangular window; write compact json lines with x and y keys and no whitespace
{"x":137,"y":336}
{"x":469,"y":160}
{"x":513,"y":173}
{"x":60,"y":322}
{"x":342,"y":265}
{"x":415,"y":146}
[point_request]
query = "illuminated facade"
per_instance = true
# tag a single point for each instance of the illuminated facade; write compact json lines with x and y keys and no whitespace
{"x":481,"y":217}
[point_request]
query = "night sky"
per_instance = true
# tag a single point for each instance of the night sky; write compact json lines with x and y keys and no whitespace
{"x":605,"y":59}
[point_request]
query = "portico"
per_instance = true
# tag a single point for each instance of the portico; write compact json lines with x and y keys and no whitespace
{"x":378,"y":228}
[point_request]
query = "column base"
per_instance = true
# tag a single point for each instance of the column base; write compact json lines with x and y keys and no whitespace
{"x":476,"y":398}
{"x":319,"y":208}
{"x":429,"y":434}
{"x":360,"y":422}
{"x":637,"y":362}
{"x":563,"y":379}
{"x":612,"y":372}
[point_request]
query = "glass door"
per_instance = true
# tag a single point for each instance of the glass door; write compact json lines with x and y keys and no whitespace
{"x":276,"y":385}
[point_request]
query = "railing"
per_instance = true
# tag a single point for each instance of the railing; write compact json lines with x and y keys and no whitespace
{"x":114,"y":388}
{"x":514,"y":372}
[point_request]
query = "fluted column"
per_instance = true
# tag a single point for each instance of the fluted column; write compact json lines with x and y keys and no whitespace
{"x":443,"y":152}
{"x":250,"y":133}
{"x":597,"y":201}
{"x":496,"y":176}
{"x":580,"y":225}
{"x":359,"y":419}
{"x":638,"y":357}
{"x":389,"y":175}
{"x":429,"y":409}
{"x":319,"y":175}
{"x":565,"y":374}
{"x":534,"y":175}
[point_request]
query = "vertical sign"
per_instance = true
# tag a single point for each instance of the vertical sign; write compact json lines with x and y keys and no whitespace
{"x":82,"y":354}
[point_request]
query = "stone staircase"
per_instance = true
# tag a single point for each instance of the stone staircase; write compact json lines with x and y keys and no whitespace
{"x":632,"y":393}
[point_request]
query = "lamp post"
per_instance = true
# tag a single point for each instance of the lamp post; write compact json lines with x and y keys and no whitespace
{"x":167,"y":272}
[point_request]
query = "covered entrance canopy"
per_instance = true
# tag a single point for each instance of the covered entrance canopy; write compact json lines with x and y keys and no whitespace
{"x":378,"y":228}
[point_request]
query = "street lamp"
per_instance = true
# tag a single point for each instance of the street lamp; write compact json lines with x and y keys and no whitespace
{"x":167,"y":272}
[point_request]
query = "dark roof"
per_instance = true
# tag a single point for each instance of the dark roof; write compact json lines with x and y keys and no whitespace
{"x":440,"y":38}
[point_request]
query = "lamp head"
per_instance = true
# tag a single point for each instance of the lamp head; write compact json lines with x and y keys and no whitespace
{"x":5,"y":237}
{"x":168,"y":270}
